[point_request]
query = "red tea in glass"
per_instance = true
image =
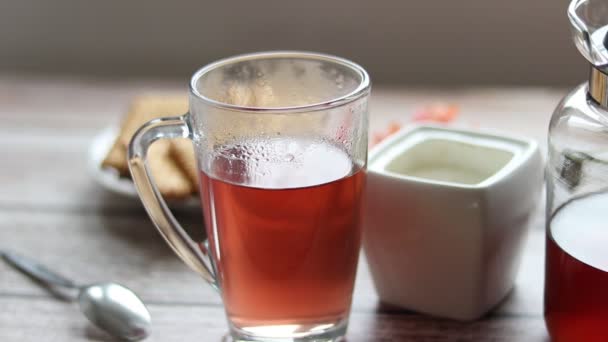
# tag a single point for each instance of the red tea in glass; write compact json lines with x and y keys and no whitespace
{"x":576,"y":283}
{"x":287,"y":232}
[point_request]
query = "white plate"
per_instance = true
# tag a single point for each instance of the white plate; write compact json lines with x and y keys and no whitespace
{"x":109,"y":178}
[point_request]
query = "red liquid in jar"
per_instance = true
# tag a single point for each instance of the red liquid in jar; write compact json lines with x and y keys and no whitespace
{"x":284,"y":230}
{"x":576,"y":279}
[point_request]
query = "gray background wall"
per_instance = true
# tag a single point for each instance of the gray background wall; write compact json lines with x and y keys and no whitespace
{"x":423,"y":42}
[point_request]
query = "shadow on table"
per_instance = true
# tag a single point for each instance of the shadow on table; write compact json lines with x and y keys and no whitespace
{"x":126,"y":219}
{"x":92,"y":333}
{"x":500,"y":324}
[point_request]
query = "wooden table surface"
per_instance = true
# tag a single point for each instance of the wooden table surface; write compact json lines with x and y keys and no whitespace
{"x":52,"y":210}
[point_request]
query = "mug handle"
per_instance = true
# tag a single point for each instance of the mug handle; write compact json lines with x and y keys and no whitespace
{"x":195,"y":255}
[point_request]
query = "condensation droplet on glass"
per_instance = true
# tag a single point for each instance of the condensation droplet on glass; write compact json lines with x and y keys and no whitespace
{"x":340,"y":81}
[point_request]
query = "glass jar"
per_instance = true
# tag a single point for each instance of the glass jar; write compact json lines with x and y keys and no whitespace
{"x":576,"y":271}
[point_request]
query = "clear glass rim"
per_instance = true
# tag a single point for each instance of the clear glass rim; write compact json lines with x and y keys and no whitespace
{"x":362,"y":88}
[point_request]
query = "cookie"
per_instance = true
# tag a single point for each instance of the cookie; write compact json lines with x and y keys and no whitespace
{"x":182,"y":152}
{"x":172,"y":181}
{"x":146,"y":108}
{"x":117,"y":159}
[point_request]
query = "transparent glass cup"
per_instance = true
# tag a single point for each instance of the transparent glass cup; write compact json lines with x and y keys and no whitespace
{"x":281,"y":146}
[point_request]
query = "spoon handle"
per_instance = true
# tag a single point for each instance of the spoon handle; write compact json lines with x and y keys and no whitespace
{"x":36,"y":270}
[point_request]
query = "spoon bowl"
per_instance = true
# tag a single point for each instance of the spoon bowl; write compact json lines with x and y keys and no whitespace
{"x":115,"y":309}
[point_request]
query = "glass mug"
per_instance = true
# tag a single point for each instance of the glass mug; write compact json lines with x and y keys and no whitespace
{"x":281,"y":145}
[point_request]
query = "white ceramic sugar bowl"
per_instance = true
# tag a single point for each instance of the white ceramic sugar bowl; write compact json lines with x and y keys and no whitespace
{"x":446,"y":216}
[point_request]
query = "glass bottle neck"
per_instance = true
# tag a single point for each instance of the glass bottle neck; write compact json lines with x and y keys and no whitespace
{"x":598,"y":87}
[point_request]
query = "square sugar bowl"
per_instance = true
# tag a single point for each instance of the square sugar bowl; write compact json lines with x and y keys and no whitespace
{"x":446,"y":217}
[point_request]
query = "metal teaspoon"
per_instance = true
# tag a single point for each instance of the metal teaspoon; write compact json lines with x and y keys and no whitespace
{"x":109,"y":306}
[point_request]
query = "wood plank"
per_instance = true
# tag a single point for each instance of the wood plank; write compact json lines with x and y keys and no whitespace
{"x":127,"y":249}
{"x":41,"y":319}
{"x":88,"y":102}
{"x":520,"y":111}
{"x":91,"y":247}
{"x":91,"y":103}
{"x":81,"y":99}
{"x":48,"y":150}
{"x":51,"y":173}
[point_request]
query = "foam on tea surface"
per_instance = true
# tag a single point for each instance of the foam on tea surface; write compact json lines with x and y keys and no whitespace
{"x":580,"y":229}
{"x":280,"y":163}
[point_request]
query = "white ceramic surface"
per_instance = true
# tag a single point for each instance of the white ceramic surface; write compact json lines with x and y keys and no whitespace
{"x":449,"y":247}
{"x":106,"y":177}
